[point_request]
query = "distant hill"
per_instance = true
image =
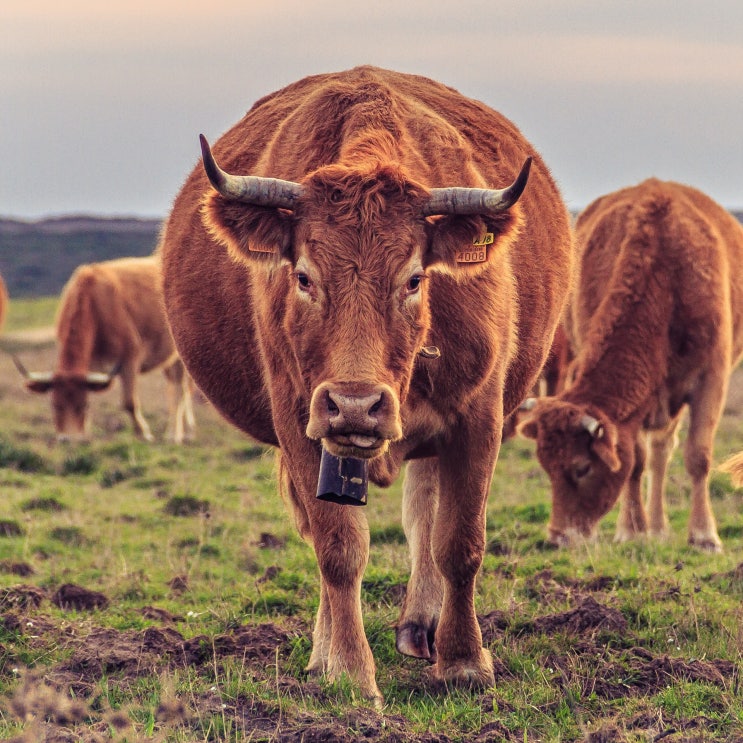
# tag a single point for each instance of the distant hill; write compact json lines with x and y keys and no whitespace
{"x":37,"y":258}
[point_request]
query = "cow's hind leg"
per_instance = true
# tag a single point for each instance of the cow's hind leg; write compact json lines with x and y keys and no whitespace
{"x":705,"y":408}
{"x":130,"y":400}
{"x":420,"y":614}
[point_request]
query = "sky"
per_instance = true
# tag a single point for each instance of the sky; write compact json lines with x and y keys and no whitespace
{"x":101,"y":102}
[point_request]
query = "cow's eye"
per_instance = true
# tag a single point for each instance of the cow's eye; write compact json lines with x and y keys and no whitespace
{"x":303,"y":280}
{"x":414,"y":283}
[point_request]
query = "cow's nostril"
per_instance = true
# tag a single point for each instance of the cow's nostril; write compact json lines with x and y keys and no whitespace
{"x":376,"y":407}
{"x":333,"y":409}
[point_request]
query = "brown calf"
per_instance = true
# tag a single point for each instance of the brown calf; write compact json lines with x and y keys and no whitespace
{"x":658,"y":324}
{"x":111,"y":317}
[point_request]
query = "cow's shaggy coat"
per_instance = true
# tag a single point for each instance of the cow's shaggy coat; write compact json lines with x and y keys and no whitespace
{"x":305,"y":323}
{"x":657,"y":324}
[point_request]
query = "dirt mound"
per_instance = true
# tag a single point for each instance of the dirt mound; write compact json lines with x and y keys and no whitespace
{"x":589,"y":615}
{"x":70,"y":596}
{"x":640,"y":673}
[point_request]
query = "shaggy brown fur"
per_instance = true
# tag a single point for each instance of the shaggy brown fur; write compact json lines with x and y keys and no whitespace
{"x":279,"y":313}
{"x":658,"y":325}
{"x":111,"y":315}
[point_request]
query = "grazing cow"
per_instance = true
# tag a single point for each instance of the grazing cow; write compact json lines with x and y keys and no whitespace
{"x":370,"y":290}
{"x":111,"y":317}
{"x":658,"y":324}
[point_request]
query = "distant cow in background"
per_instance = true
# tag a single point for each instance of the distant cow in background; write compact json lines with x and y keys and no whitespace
{"x":111,"y":321}
{"x":657,"y":317}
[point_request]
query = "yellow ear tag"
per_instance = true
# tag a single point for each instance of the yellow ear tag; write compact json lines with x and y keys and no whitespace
{"x":478,"y":253}
{"x":259,"y":249}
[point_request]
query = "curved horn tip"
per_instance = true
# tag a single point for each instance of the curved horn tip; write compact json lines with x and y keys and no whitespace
{"x":19,"y":365}
{"x":213,"y":171}
{"x":515,"y":190}
{"x":528,"y":404}
{"x":592,"y":425}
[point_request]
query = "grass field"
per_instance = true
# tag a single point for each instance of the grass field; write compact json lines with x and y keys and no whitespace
{"x":160,"y":593}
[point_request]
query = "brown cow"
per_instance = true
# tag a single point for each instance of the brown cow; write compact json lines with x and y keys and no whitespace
{"x":111,"y":317}
{"x":658,"y":320}
{"x":344,"y":297}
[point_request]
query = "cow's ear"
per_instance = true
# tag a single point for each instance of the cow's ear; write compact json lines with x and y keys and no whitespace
{"x":250,"y":233}
{"x":463,"y":245}
{"x":528,"y":428}
{"x":604,"y":445}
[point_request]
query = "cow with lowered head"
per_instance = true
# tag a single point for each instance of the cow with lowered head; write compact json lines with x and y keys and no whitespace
{"x":658,"y":324}
{"x":364,"y":275}
{"x":110,"y":321}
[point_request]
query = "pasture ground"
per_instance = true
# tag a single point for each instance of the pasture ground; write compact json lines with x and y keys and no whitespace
{"x":160,"y":593}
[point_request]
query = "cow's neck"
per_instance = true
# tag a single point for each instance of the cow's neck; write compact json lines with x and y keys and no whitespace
{"x":621,"y":371}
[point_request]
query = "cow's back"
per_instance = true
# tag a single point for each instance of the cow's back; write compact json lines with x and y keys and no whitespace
{"x":665,"y":260}
{"x":446,"y":140}
{"x":108,"y":308}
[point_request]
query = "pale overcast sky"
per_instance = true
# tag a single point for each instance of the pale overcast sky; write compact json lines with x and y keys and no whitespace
{"x":101,"y":102}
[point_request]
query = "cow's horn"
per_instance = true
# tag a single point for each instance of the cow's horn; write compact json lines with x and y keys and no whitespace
{"x":250,"y":189}
{"x":18,"y":365}
{"x":477,"y":200}
{"x":45,"y":377}
{"x":528,"y":404}
{"x":592,"y":426}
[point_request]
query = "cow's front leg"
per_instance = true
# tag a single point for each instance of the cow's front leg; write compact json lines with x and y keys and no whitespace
{"x":420,"y":614}
{"x":340,"y":537}
{"x":632,"y":521}
{"x":458,"y":546}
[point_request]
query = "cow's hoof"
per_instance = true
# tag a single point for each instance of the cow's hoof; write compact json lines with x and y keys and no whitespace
{"x":417,"y":641}
{"x":707,"y":543}
{"x":470,"y":674}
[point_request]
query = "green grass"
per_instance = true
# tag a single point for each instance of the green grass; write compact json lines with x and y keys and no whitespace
{"x":26,"y":314}
{"x":211,"y":601}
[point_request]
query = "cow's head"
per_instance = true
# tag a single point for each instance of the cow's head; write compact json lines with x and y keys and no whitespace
{"x":357,"y":246}
{"x":588,"y":459}
{"x":69,"y":394}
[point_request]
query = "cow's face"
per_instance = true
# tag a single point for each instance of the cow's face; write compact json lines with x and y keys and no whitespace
{"x":358,"y":252}
{"x":588,"y":460}
{"x":69,"y":396}
{"x":70,"y":408}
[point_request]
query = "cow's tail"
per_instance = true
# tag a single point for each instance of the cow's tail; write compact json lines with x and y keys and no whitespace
{"x":289,"y":495}
{"x":734,"y":466}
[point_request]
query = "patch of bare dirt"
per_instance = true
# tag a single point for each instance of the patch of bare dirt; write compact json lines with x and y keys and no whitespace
{"x":62,"y":702}
{"x":21,"y":597}
{"x":70,"y":596}
{"x":590,"y":615}
{"x":12,"y":567}
{"x":641,"y":673}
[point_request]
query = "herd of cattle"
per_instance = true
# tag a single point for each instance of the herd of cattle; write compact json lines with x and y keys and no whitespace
{"x":381,"y":272}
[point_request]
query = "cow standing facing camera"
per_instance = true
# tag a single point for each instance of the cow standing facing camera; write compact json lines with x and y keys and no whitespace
{"x":360,"y":267}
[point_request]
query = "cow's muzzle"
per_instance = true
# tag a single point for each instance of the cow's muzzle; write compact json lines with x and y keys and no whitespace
{"x":354,"y":419}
